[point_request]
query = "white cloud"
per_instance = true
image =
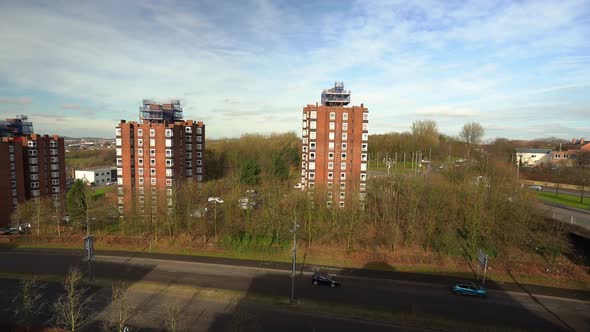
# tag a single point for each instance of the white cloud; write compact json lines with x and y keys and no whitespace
{"x":16,"y":100}
{"x":273,"y":60}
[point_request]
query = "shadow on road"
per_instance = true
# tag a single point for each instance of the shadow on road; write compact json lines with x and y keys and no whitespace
{"x":266,"y":306}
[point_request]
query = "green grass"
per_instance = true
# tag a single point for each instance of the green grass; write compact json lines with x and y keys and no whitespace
{"x":100,"y":191}
{"x":565,"y":199}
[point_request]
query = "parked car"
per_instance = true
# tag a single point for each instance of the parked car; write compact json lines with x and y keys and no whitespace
{"x":298,"y":185}
{"x":468,"y":288}
{"x":537,"y":188}
{"x":320,"y":278}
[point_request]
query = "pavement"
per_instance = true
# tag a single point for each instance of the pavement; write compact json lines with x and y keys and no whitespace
{"x":522,"y":310}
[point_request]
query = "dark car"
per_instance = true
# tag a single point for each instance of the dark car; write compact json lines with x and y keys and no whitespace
{"x":320,"y":278}
{"x":468,"y":288}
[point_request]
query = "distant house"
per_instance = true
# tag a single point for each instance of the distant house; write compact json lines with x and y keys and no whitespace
{"x":99,"y":176}
{"x":533,"y":157}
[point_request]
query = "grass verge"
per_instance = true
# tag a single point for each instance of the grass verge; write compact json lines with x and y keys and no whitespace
{"x":565,"y":199}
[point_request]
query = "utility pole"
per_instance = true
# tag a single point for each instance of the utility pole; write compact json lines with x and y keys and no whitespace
{"x":404,"y":160}
{"x":294,"y":260}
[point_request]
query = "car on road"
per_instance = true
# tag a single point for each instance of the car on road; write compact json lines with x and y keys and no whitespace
{"x":468,"y":288}
{"x":537,"y":188}
{"x":320,"y":278}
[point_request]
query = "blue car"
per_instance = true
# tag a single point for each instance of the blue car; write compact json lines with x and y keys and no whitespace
{"x":468,"y":288}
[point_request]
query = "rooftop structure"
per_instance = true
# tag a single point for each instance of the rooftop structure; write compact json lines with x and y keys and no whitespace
{"x":336,"y":96}
{"x":18,"y":126}
{"x":158,"y":112}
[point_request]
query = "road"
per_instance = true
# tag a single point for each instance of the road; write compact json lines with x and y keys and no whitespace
{"x":501,"y":309}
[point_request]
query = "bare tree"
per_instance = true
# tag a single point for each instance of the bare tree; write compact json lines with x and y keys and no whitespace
{"x":121,"y":311}
{"x":472,"y":133}
{"x":72,"y":310}
{"x":28,"y":301}
{"x":425,"y":133}
{"x":173,"y":311}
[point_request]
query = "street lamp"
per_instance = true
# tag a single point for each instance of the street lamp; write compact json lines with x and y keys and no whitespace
{"x":294,"y":259}
{"x":215,"y":201}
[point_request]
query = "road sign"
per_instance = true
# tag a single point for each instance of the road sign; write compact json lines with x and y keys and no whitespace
{"x":482,"y":258}
{"x":89,"y":247}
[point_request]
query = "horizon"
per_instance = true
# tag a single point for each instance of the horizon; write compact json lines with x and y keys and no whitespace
{"x":250,"y":67}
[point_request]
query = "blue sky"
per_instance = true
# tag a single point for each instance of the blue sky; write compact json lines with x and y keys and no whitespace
{"x":520,"y":68}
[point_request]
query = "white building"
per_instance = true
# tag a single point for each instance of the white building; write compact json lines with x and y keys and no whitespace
{"x":97,"y":176}
{"x":533,"y":157}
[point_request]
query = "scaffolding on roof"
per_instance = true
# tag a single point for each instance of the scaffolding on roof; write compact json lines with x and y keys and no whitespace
{"x":336,"y":96}
{"x":152,"y":111}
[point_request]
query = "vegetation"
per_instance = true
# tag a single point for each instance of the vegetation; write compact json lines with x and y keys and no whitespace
{"x":72,"y":310}
{"x":90,"y":158}
{"x":471,"y":134}
{"x":565,"y":199}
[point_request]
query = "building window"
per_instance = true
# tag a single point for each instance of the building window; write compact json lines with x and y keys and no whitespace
{"x":344,"y":136}
{"x":312,"y":165}
{"x":139,"y":161}
{"x":168,"y":152}
{"x":140,"y":181}
{"x":199,"y":162}
{"x":365,"y":116}
{"x":140,"y":171}
{"x":329,"y":204}
{"x":313,"y":114}
{"x":304,"y":132}
{"x":199,"y":130}
{"x":139,"y":132}
{"x":331,"y":156}
{"x":343,"y":156}
{"x":330,"y":165}
{"x":152,"y":132}
{"x":312,"y":146}
{"x":342,"y":176}
{"x":153,"y":181}
{"x":331,"y":146}
{"x":152,"y":152}
{"x":189,"y":163}
{"x":188,"y":139}
{"x":152,"y":171}
{"x":311,"y":186}
{"x":139,"y":142}
{"x":312,"y":125}
{"x":312,"y":135}
{"x":152,"y":162}
{"x":342,"y":166}
{"x":199,"y":154}
{"x":312,"y":156}
{"x":331,"y":136}
{"x":363,"y":156}
{"x":168,"y":133}
{"x":341,"y":204}
{"x":199,"y":170}
{"x":363,"y":176}
{"x":342,"y":185}
{"x":188,"y":129}
{"x":117,"y":131}
{"x":304,"y":149}
{"x":199,"y":138}
{"x":311,"y":175}
{"x":363,"y":186}
{"x":344,"y":146}
{"x":345,"y":126}
{"x":363,"y":167}
{"x":169,"y":163}
{"x":330,"y":175}
{"x":332,"y":126}
{"x":168,"y":172}
{"x":168,"y":191}
{"x":332,"y":115}
{"x":168,"y":143}
{"x":152,"y":142}
{"x":365,"y":136}
{"x":199,"y":146}
{"x":342,"y":195}
{"x":330,"y":185}
{"x":365,"y":126}
{"x":168,"y":182}
{"x":345,"y":116}
{"x":140,"y":152}
{"x":364,"y":147}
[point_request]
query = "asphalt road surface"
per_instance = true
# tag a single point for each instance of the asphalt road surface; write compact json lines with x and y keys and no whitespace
{"x":500,"y":309}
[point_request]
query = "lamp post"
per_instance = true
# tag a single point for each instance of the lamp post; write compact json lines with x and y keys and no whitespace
{"x":294,"y":259}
